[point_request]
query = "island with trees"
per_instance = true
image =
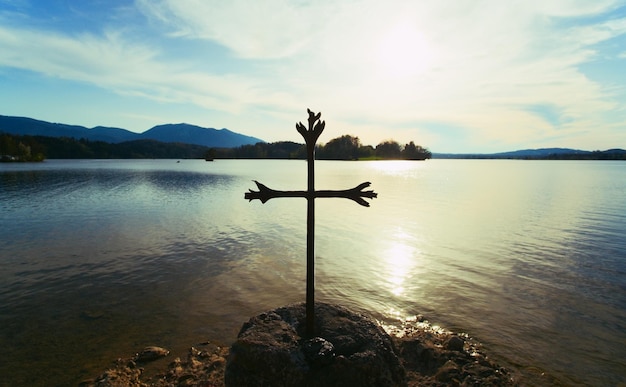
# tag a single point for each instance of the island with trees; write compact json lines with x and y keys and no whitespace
{"x":345,"y":147}
{"x":37,"y":148}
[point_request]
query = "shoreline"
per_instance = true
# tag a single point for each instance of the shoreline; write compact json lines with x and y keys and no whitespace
{"x":430,"y":355}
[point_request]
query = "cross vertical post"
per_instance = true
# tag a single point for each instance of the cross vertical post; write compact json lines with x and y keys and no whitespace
{"x":310,"y":237}
{"x":357,"y":194}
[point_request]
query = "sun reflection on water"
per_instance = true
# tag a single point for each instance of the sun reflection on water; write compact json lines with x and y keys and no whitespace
{"x":404,"y":168}
{"x":400,"y":262}
{"x":398,"y":259}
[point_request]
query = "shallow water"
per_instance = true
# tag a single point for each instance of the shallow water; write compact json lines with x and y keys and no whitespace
{"x":100,"y":258}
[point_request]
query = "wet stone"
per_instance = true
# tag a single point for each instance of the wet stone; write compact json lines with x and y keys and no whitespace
{"x":348,"y":349}
{"x":318,"y":352}
{"x":150,"y":354}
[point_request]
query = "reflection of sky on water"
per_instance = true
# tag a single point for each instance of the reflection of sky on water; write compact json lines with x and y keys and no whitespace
{"x":520,"y":254}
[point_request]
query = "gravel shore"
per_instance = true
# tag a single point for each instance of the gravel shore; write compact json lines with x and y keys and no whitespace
{"x":431,"y":357}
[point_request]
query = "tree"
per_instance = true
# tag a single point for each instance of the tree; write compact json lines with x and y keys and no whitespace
{"x":345,"y":147}
{"x":389,"y":150}
{"x":367,"y":152}
{"x":415,"y":152}
{"x":8,"y":147}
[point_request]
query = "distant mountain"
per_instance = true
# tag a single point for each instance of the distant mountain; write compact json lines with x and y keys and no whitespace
{"x":180,"y":133}
{"x":29,"y":126}
{"x":191,"y":134}
{"x":112,"y":135}
{"x":543,"y":153}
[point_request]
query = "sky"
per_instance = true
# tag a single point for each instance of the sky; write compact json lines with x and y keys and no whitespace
{"x":455,"y":76}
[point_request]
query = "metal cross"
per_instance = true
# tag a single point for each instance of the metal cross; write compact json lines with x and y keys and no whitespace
{"x":357,"y":194}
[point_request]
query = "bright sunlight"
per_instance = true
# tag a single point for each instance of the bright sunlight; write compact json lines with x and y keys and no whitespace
{"x":403,"y":52}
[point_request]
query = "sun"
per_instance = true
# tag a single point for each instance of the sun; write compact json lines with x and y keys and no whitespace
{"x":402,"y":51}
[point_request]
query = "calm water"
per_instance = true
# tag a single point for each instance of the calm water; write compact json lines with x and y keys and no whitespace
{"x":101,"y":258}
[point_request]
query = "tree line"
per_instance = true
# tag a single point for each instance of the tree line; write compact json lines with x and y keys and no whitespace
{"x":341,"y":148}
{"x":611,"y":154}
{"x":38,"y":148}
{"x":19,"y":147}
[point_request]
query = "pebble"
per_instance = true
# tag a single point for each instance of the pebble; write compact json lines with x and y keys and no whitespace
{"x":151,"y":353}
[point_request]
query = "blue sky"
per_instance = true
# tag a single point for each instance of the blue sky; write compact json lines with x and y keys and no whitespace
{"x":454,"y":76}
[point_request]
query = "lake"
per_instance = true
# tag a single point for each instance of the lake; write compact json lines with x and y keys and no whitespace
{"x":99,"y":258}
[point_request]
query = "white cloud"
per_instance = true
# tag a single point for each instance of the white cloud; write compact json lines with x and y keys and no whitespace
{"x":112,"y":63}
{"x":471,"y":64}
{"x":251,"y":29}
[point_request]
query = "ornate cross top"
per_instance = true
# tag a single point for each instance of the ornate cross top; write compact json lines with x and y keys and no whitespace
{"x":357,"y":194}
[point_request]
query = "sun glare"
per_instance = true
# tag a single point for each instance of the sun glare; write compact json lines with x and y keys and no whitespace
{"x":403,"y":52}
{"x":400,"y":261}
{"x":398,"y":167}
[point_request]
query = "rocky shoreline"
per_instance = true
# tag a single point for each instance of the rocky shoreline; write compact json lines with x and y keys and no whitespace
{"x":427,"y":356}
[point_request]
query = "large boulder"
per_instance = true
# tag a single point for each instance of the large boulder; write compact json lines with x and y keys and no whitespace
{"x":348,"y":349}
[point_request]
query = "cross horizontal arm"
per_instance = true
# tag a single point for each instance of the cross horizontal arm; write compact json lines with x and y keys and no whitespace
{"x":357,"y":194}
{"x":265,"y":193}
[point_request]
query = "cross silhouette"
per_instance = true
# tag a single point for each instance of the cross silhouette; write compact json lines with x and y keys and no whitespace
{"x":357,"y":194}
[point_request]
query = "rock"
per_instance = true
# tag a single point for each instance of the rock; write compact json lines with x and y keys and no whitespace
{"x":349,"y":349}
{"x":318,"y":352}
{"x":433,"y":357}
{"x":150,"y":354}
{"x":448,"y":373}
{"x":124,"y":374}
{"x":203,"y":367}
{"x":455,"y":343}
